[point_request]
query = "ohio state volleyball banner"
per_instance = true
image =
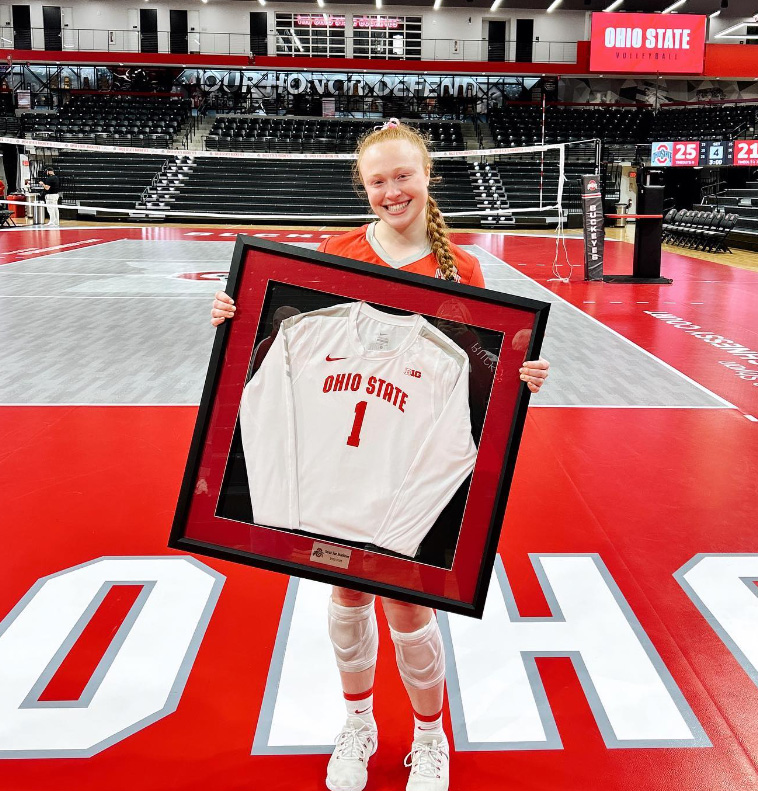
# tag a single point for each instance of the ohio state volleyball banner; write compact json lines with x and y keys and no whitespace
{"x":647,"y":43}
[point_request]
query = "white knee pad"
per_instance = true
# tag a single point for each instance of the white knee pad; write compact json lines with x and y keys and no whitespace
{"x":354,"y":636}
{"x":420,"y":655}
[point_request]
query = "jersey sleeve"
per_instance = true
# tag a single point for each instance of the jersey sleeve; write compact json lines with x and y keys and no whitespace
{"x":477,"y":278}
{"x":442,"y":463}
{"x":471,"y":270}
{"x":267,"y":425}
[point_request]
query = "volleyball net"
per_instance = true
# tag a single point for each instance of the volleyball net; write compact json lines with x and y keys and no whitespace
{"x":492,"y":187}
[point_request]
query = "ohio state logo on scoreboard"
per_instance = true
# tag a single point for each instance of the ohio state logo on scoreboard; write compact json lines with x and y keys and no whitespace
{"x":662,"y":154}
{"x":647,"y":43}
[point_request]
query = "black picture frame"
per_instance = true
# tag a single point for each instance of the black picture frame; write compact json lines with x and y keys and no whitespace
{"x":258,"y":266}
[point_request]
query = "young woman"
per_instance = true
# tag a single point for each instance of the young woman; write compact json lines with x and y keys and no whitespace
{"x":394,"y":168}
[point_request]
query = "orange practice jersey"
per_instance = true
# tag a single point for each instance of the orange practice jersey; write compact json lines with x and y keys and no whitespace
{"x":354,"y":244}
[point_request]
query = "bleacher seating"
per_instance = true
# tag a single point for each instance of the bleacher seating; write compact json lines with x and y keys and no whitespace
{"x":700,"y":230}
{"x":521,"y":124}
{"x":524,"y":182}
{"x":274,"y":187}
{"x":741,"y":202}
{"x":10,"y":126}
{"x":303,"y":135}
{"x":717,"y":122}
{"x":144,"y":122}
{"x":105,"y":179}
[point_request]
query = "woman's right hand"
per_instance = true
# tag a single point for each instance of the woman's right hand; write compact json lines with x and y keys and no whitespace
{"x":223,"y":308}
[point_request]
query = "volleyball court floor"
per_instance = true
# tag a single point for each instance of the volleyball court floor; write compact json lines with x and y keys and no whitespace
{"x":619,"y":645}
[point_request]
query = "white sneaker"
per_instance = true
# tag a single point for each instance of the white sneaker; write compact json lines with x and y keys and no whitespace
{"x":348,"y":766}
{"x":429,"y":760}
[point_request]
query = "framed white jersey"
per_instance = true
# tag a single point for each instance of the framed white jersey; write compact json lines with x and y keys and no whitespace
{"x":359,"y":426}
{"x":356,"y":426}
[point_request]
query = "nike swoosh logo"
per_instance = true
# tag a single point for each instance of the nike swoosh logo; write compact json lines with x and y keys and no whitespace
{"x":334,"y":359}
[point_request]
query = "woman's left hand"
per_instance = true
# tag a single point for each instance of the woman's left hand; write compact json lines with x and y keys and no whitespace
{"x":534,"y":373}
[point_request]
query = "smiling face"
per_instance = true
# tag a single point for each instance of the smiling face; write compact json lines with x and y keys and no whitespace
{"x":396,"y":180}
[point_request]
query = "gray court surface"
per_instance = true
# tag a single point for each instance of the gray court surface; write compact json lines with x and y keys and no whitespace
{"x":115,"y":323}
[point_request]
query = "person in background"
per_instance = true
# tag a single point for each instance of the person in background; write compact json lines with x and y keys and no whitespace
{"x":51,"y":185}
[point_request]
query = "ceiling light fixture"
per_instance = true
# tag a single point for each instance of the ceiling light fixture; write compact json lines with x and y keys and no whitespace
{"x":553,"y":6}
{"x":614,"y":5}
{"x":437,"y":4}
{"x":320,"y":3}
{"x":674,"y":6}
{"x":495,"y":5}
{"x":262,"y":2}
{"x":378,"y":3}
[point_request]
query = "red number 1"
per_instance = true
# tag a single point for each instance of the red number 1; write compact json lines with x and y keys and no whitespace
{"x":355,"y":435}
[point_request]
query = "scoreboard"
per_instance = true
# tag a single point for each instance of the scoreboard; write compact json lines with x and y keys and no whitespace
{"x":704,"y":153}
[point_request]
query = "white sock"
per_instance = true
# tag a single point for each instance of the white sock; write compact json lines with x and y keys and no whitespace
{"x":361,"y":706}
{"x":423,"y":724}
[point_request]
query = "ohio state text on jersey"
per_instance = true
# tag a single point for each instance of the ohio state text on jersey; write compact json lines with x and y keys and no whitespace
{"x":357,"y":426}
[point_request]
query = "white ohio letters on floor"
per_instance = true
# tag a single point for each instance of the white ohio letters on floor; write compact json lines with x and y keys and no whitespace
{"x":139,"y":679}
{"x":496,"y":697}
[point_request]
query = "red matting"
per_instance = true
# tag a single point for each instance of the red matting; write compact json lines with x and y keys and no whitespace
{"x":103,"y":481}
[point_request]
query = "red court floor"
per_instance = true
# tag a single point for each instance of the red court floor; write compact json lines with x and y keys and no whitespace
{"x":655,"y":507}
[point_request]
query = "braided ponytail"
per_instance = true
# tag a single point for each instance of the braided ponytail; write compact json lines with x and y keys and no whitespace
{"x":436,"y":228}
{"x":439,"y":240}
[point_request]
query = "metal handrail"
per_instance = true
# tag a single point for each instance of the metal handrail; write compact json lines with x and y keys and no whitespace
{"x":345,"y":45}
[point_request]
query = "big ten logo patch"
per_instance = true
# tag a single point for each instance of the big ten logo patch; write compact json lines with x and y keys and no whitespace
{"x":412,"y":372}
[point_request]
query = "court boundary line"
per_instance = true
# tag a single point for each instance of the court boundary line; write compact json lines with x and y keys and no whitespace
{"x":554,"y":295}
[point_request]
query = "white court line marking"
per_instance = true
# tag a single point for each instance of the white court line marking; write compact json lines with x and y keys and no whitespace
{"x":70,"y":228}
{"x":98,"y":296}
{"x":140,"y":404}
{"x":556,"y":297}
{"x":752,"y":419}
{"x":36,"y":250}
{"x":172,"y":275}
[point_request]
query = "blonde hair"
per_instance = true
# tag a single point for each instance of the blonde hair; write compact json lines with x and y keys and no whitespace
{"x":436,"y":228}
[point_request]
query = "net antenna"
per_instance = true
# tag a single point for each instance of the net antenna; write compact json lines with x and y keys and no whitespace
{"x":560,"y":230}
